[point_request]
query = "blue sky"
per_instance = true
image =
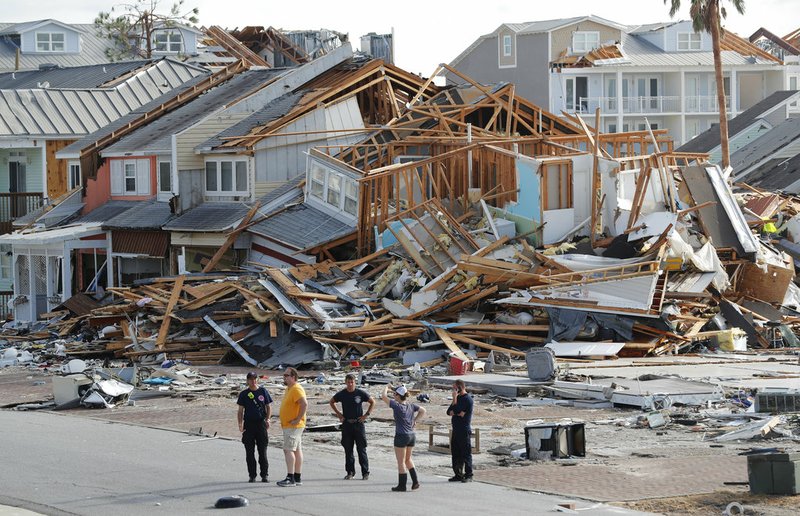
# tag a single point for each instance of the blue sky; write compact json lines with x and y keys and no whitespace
{"x":426,"y":32}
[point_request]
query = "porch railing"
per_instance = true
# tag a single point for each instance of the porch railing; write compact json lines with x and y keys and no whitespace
{"x":662,"y":104}
{"x":16,"y":204}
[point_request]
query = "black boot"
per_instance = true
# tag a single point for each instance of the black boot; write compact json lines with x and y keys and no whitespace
{"x":414,"y":482}
{"x":402,"y":479}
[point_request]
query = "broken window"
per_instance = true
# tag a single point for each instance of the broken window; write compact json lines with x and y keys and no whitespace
{"x":557,"y":185}
{"x":689,"y":41}
{"x":168,"y":41}
{"x":584,"y":41}
{"x":49,"y":41}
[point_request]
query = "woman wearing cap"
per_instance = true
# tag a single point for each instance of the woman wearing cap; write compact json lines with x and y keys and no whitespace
{"x":405,"y":418}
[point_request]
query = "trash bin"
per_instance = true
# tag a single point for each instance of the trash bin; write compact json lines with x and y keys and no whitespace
{"x":459,"y":366}
{"x":774,"y":473}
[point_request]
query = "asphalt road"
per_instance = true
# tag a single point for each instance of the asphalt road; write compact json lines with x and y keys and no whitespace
{"x":62,"y":464}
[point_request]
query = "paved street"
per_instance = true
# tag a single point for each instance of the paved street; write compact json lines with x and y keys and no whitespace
{"x":61,"y":464}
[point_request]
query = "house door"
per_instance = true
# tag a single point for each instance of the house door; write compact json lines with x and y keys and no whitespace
{"x":17,"y":182}
{"x":577,"y":93}
{"x":692,"y":94}
{"x":647,"y":89}
{"x":16,"y":176}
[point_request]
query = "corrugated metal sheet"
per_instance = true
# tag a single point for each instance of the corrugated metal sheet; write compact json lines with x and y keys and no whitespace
{"x":91,"y":76}
{"x":150,"y":243}
{"x":642,"y":53}
{"x":209,"y":216}
{"x":77,"y":112}
{"x":143,"y":215}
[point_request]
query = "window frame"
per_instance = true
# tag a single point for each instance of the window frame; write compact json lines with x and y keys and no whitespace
{"x":126,"y":166}
{"x":693,"y":41}
{"x":160,"y":181}
{"x":74,"y":181}
{"x":563,"y":174}
{"x":508,"y":45}
{"x":346,"y":186}
{"x":168,"y":43}
{"x":50,"y":44}
{"x":585,"y":44}
{"x":218,"y":164}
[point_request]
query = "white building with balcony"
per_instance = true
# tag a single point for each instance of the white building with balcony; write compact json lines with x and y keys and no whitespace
{"x":662,"y":72}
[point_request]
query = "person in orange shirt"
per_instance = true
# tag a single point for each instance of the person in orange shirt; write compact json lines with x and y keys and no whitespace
{"x":293,"y":422}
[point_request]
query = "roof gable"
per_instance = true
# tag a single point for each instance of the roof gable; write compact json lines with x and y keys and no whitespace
{"x":21,"y":28}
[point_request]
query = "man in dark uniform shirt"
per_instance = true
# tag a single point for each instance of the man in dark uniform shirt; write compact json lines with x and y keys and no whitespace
{"x":353,"y":432}
{"x":460,"y":411}
{"x":253,"y":416}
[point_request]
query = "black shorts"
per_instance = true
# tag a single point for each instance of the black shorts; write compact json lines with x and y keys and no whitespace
{"x":405,"y":440}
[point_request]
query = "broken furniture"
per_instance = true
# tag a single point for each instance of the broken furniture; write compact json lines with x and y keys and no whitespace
{"x":558,"y":440}
{"x":438,"y":448}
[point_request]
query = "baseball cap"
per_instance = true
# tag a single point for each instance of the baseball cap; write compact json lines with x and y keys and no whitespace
{"x":252,"y":374}
{"x":401,"y":390}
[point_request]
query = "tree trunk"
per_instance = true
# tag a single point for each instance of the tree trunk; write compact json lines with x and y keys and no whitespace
{"x":723,"y":115}
{"x":148,"y":34}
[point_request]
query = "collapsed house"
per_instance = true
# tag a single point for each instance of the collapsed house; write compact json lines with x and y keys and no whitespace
{"x":452,"y":220}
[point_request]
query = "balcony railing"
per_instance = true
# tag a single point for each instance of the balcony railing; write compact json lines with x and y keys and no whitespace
{"x":15,"y":205}
{"x":663,"y":104}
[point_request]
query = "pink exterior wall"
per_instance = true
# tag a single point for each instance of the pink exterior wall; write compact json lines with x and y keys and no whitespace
{"x":98,"y":190}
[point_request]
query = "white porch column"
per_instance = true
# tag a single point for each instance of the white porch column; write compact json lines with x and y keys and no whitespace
{"x":734,"y":95}
{"x":683,"y":106}
{"x":109,"y":262}
{"x":66,"y":272}
{"x":44,"y":172}
{"x":620,"y":111}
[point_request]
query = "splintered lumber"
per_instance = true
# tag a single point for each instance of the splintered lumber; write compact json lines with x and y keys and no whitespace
{"x":231,"y":238}
{"x":451,"y":345}
{"x":484,"y":345}
{"x":173,"y":299}
{"x":223,"y":290}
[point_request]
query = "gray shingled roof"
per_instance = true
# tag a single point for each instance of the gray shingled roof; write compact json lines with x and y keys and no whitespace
{"x":765,"y":145}
{"x":143,"y":215}
{"x":709,"y":140}
{"x":157,"y":136}
{"x":107,"y":211}
{"x":77,"y":112}
{"x":209,"y":216}
{"x":776,"y":174}
{"x":302,"y":226}
{"x":272,"y":111}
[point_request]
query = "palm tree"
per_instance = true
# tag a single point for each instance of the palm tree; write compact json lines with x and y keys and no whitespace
{"x":706,"y":16}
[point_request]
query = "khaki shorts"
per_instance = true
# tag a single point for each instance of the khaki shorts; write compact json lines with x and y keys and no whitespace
{"x":292,"y":438}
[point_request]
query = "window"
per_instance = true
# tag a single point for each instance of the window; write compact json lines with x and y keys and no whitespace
{"x":557,"y":185}
{"x":793,"y":85}
{"x":164,"y":176}
{"x":73,"y":174}
{"x":689,"y":41}
{"x":227,"y":177}
{"x":168,"y":41}
{"x":350,"y":197}
{"x":506,"y":45}
{"x":585,"y":41}
{"x":334,"y":189}
{"x":130,"y":178}
{"x":6,"y":269}
{"x":49,"y":41}
{"x":317,"y":181}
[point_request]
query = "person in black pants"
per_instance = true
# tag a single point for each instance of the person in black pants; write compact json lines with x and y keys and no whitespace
{"x":460,"y":411}
{"x":352,"y":418}
{"x":253,"y":416}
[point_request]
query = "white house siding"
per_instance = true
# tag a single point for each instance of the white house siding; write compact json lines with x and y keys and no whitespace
{"x":71,"y":39}
{"x":187,"y":140}
{"x":280,"y":158}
